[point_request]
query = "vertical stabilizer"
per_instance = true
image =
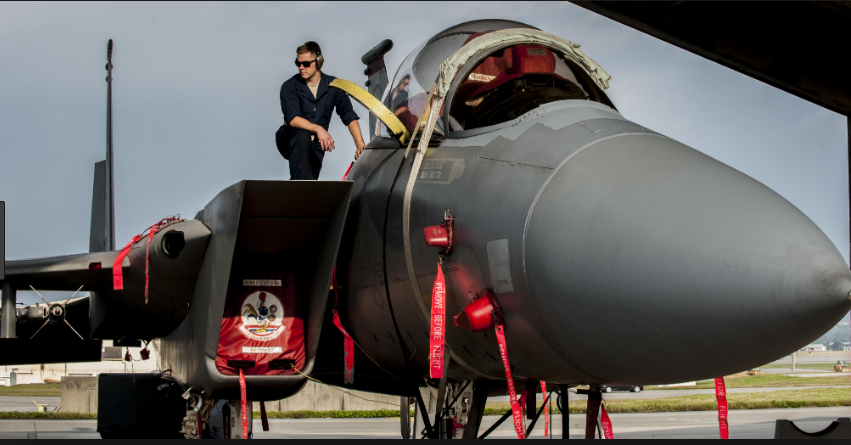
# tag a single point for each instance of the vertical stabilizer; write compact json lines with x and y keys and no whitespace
{"x":102,"y":232}
{"x":98,"y":235}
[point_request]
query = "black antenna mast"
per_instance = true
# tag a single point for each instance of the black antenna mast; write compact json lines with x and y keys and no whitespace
{"x":110,"y":186}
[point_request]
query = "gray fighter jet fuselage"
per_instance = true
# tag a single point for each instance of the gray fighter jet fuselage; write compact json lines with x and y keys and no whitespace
{"x":616,"y":254}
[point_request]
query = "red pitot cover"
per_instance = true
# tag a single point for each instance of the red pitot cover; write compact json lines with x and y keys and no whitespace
{"x":262,"y":322}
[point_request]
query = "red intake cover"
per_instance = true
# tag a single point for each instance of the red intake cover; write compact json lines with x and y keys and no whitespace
{"x":262,"y":322}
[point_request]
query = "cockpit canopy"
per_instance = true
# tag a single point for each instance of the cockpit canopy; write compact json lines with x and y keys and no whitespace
{"x":505,"y":84}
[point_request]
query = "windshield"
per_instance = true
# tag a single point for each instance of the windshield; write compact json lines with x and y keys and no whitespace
{"x":409,"y":89}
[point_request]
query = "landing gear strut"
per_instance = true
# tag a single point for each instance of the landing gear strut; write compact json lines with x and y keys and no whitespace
{"x":456,"y":407}
{"x":592,"y":412}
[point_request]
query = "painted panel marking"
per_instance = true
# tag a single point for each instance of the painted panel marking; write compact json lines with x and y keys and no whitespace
{"x":261,"y":283}
{"x":500,"y":266}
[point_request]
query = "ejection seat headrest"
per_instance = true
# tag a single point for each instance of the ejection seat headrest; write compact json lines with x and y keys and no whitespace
{"x":526,"y":59}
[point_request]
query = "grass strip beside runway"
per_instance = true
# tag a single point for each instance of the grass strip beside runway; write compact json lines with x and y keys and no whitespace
{"x":819,"y":366}
{"x":805,"y":398}
{"x":764,"y":381}
{"x":53,"y":416}
{"x":32,"y":390}
{"x":732,"y":381}
{"x":375,"y":414}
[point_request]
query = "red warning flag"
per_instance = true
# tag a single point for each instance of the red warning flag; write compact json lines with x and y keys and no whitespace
{"x":148,"y":255}
{"x":438,"y":325}
{"x":546,"y":409}
{"x":244,"y":405}
{"x":606,"y":422}
{"x":348,"y":349}
{"x":348,"y":170}
{"x":516,"y":413}
{"x":721,"y":395}
{"x":117,"y":272}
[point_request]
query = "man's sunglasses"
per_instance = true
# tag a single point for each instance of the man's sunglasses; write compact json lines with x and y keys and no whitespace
{"x":305,"y":63}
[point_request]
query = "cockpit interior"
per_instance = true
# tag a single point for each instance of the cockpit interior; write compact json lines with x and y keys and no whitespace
{"x":507,"y":82}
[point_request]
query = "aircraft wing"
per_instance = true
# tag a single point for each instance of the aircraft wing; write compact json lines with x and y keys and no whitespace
{"x":63,"y":273}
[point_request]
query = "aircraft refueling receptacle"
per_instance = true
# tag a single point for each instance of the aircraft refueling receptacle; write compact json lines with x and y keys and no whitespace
{"x":590,"y":245}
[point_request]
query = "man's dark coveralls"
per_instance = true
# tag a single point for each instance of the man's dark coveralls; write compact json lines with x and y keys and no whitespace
{"x":305,"y":155}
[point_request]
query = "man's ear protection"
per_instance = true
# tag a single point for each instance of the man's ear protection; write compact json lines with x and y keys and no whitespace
{"x":318,"y":51}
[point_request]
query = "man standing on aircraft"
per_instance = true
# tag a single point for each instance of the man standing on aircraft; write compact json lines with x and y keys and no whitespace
{"x":307,"y":102}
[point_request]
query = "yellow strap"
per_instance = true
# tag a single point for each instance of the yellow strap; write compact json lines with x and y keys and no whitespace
{"x":375,"y":106}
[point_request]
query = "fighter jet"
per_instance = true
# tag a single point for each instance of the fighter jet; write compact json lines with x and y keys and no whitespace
{"x":505,"y":226}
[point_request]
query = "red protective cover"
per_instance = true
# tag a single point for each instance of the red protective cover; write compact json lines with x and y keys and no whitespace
{"x":476,"y":316}
{"x":436,"y":236}
{"x":489,"y":68}
{"x":533,"y":59}
{"x":526,"y":59}
{"x":487,"y":71}
{"x":262,"y":321}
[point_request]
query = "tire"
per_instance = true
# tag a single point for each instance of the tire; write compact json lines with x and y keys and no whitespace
{"x":608,"y":389}
{"x":636,"y":389}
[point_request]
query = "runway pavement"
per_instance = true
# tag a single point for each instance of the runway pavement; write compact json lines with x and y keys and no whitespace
{"x":25,"y":403}
{"x":658,"y":394}
{"x":744,"y":424}
{"x":805,"y":359}
{"x":819,"y":374}
{"x":789,"y":370}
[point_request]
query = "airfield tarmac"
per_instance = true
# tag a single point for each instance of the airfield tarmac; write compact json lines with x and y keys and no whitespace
{"x":659,"y":394}
{"x":25,"y":404}
{"x":744,"y":424}
{"x":816,"y":359}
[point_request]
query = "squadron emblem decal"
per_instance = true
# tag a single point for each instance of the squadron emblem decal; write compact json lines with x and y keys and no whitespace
{"x":262,"y":314}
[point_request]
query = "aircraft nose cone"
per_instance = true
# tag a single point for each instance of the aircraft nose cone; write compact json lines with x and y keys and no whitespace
{"x":640,"y":250}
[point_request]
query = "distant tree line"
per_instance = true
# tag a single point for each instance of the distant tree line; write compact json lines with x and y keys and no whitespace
{"x":836,"y":335}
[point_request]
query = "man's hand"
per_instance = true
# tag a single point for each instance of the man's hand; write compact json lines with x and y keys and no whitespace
{"x":354,"y":129}
{"x":322,"y":135}
{"x":324,"y":139}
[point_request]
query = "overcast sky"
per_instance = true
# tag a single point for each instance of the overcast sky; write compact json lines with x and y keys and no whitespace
{"x":196,"y":104}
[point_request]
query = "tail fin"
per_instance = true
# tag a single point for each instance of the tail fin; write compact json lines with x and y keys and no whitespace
{"x":102,"y":235}
{"x":99,"y":238}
